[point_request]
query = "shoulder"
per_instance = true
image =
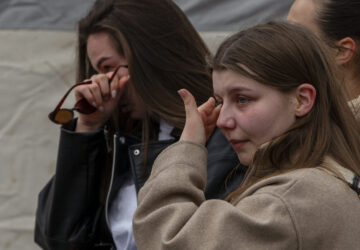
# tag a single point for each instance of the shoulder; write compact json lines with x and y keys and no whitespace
{"x":306,"y":193}
{"x":302,"y":182}
{"x":312,"y":196}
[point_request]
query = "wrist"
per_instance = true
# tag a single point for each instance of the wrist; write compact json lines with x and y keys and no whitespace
{"x":85,"y":127}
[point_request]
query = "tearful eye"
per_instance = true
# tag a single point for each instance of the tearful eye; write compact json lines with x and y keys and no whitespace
{"x":107,"y":69}
{"x":243,"y":100}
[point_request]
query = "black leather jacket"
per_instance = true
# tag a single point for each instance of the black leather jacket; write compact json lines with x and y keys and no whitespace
{"x":71,"y":216}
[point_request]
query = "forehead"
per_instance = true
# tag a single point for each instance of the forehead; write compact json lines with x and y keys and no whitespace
{"x":227,"y":81}
{"x":304,"y":12}
{"x":100,"y":49}
{"x":99,"y":42}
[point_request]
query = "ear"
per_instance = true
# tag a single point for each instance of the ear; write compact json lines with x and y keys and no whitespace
{"x":345,"y":52}
{"x":305,"y":98}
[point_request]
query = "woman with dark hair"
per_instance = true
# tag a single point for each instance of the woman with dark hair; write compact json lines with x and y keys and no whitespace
{"x":137,"y":54}
{"x":285,"y":113}
{"x":338,"y":24}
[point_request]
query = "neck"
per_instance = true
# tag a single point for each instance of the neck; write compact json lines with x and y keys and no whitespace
{"x":352,"y":82}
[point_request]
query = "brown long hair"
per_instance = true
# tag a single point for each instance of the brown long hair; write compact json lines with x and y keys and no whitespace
{"x":338,"y":19}
{"x":283,"y":56}
{"x":164,"y":54}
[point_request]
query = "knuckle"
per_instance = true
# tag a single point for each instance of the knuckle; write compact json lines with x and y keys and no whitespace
{"x":103,"y":77}
{"x":90,"y":99}
{"x":93,"y":87}
{"x":78,"y":89}
{"x":94,"y":77}
{"x":108,"y":74}
{"x":98,"y":77}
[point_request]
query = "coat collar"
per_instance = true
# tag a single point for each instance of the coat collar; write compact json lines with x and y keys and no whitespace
{"x":352,"y":179}
{"x":344,"y":174}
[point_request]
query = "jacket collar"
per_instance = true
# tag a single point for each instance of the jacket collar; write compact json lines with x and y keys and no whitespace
{"x":352,"y":179}
{"x":344,"y":174}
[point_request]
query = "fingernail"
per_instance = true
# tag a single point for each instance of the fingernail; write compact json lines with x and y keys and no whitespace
{"x":113,"y":94}
{"x":94,"y":104}
{"x":101,"y":108}
{"x":182,"y":93}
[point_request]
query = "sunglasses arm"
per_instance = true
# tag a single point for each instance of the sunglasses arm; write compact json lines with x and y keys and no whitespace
{"x":68,"y":92}
{"x":53,"y":114}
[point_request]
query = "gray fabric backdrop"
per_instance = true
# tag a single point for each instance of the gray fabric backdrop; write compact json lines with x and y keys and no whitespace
{"x":206,"y":15}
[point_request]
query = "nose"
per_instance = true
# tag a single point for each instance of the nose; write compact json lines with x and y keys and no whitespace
{"x":225,"y":119}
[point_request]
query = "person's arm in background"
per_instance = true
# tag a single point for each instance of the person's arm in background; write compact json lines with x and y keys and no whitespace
{"x":69,"y":212}
{"x":69,"y":207}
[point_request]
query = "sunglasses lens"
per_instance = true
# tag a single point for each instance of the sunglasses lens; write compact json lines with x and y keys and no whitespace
{"x":63,"y":116}
{"x":82,"y":106}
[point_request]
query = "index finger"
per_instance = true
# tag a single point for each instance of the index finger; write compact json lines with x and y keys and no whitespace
{"x":207,"y":107}
{"x":117,"y":85}
{"x":113,"y":74}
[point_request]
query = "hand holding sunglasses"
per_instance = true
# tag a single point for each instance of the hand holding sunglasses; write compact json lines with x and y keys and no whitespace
{"x":62,"y":115}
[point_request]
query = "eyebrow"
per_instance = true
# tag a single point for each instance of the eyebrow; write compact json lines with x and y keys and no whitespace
{"x":231,"y":89}
{"x":235,"y":89}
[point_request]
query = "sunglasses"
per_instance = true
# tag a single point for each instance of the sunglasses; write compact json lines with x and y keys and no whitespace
{"x":62,"y":115}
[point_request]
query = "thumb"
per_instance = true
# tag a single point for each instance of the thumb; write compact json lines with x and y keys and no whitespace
{"x":194,"y":129}
{"x":189,"y":103}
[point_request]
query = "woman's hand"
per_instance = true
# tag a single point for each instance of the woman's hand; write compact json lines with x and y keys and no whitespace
{"x":103,"y":96}
{"x":200,"y":122}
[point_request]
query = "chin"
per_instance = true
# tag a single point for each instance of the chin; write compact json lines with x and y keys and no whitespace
{"x":244,"y":159}
{"x":136,"y":116}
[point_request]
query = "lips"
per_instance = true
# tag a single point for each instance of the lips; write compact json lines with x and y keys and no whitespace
{"x":238,"y":144}
{"x":125,"y":108}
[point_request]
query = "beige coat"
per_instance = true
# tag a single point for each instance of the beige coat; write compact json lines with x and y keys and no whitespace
{"x":302,"y":209}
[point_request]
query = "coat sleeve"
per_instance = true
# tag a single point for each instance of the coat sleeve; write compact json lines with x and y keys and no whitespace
{"x":69,"y":209}
{"x":173,"y":213}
